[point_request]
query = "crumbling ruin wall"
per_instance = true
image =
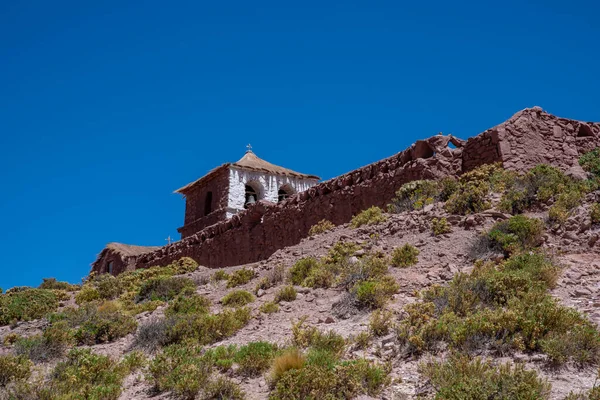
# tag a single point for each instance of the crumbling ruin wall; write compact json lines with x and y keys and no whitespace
{"x":530,"y":137}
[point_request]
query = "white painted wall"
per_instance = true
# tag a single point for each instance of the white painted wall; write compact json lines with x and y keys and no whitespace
{"x":269,"y":187}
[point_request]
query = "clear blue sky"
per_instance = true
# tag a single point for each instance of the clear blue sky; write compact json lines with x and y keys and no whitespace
{"x":107,"y":107}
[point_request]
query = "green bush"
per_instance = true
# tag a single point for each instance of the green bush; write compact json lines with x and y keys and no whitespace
{"x":219,"y":275}
{"x":375,"y":293}
{"x":180,"y":369}
{"x":463,"y":378}
{"x":516,"y":234}
{"x":52,"y":283}
{"x":240,"y":277}
{"x":381,"y":322}
{"x":26,"y":305}
{"x":222,"y":357}
{"x":272,"y":278}
{"x":501,"y":307}
{"x":52,"y":344}
{"x":590,"y":162}
{"x":85,"y":375}
{"x":345,"y":380}
{"x":310,"y":336}
{"x":405,"y":256}
{"x":108,"y":286}
{"x":93,"y":323}
{"x":193,"y":304}
{"x":321,"y":227}
{"x":207,"y":328}
{"x":269,"y":307}
{"x":302,"y":269}
{"x":14,"y":368}
{"x":184,"y":265}
{"x":286,"y":293}
{"x":237,"y":298}
{"x":414,"y":196}
{"x":87,"y":294}
{"x":165,"y":288}
{"x":440,"y":226}
{"x":255,"y":358}
{"x":223,"y":389}
{"x":370,"y":216}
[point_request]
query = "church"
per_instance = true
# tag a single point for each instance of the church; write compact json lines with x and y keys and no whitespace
{"x":233,"y":187}
{"x":215,"y":197}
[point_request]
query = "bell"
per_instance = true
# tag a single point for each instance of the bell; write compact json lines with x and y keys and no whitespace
{"x":251,"y":200}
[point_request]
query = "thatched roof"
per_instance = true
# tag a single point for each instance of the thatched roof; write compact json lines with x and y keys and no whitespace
{"x":250,"y":162}
{"x":124,"y":250}
{"x":128,"y":250}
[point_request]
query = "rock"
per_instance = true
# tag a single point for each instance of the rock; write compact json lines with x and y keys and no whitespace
{"x":582,"y":291}
{"x":577,"y":173}
{"x":329,"y":320}
{"x":260,"y":293}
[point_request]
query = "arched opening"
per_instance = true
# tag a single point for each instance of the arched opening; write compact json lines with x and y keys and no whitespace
{"x":423,"y":150}
{"x":109,"y":267}
{"x":584,"y":131}
{"x":253,"y":193}
{"x":208,"y":203}
{"x":284,"y":192}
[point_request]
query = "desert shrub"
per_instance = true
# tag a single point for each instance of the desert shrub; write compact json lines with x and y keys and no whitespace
{"x":193,"y":304}
{"x":223,"y":389}
{"x":240,"y":277}
{"x":184,"y":265}
{"x":301,"y":269}
{"x":222,"y":357}
{"x":237,"y":298}
{"x":590,"y":162}
{"x":310,"y":336}
{"x":180,"y":369}
{"x":288,"y":360}
{"x":362,"y":340}
{"x":463,"y":378}
{"x":592,"y":394}
{"x":516,"y":233}
{"x":375,"y":293}
{"x":321,"y":227}
{"x":414,"y":196}
{"x":164,"y":288}
{"x":286,"y":293}
{"x":26,"y":304}
{"x":11,"y":338}
{"x":52,"y":283}
{"x":565,"y":203}
{"x":405,"y":256}
{"x":108,"y":286}
{"x":273,"y":277}
{"x":440,"y":226}
{"x":208,"y":328}
{"x":346,"y":379}
{"x":219,"y":275}
{"x":370,"y":216}
{"x":87,"y":294}
{"x":269,"y":307}
{"x":154,"y":334}
{"x":380,"y":322}
{"x":85,"y":375}
{"x":255,"y":358}
{"x":52,"y":344}
{"x":98,"y":323}
{"x":13,"y":368}
{"x":595,"y":213}
{"x":501,"y":307}
{"x":340,"y":252}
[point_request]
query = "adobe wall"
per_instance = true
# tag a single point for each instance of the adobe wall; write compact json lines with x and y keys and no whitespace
{"x":195,"y":203}
{"x":120,"y":263}
{"x":530,"y":137}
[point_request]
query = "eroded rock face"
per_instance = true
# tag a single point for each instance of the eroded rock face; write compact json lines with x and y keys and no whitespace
{"x":530,"y":137}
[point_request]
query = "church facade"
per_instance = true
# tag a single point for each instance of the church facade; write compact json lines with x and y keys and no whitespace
{"x":233,"y":187}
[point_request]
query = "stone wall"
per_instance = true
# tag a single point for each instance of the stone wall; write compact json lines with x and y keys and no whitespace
{"x":530,"y":137}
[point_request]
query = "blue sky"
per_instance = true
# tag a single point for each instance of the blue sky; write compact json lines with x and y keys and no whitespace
{"x":107,"y":107}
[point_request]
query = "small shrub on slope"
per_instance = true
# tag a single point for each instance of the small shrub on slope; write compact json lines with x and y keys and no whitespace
{"x":223,"y":389}
{"x":240,"y":277}
{"x":13,"y":368}
{"x":516,"y":234}
{"x":590,"y":162}
{"x":26,"y":305}
{"x":52,"y":283}
{"x":321,"y":227}
{"x":193,"y":304}
{"x":165,"y":288}
{"x":237,"y":298}
{"x":440,"y":226}
{"x":310,"y":336}
{"x":286,"y":293}
{"x":53,"y":343}
{"x":269,"y":307}
{"x":255,"y":358}
{"x":207,"y":328}
{"x":414,"y":196}
{"x":595,"y":213}
{"x":463,"y":378}
{"x":405,"y":256}
{"x":370,"y":216}
{"x":381,"y":322}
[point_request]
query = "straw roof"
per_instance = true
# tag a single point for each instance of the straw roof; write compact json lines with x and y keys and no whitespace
{"x":250,"y":162}
{"x":129,"y":250}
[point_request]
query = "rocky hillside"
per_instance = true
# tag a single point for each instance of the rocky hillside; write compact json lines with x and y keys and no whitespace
{"x":482,"y":287}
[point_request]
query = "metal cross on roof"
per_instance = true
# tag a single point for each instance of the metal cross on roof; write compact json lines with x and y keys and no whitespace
{"x":168,"y":239}
{"x":249,"y":147}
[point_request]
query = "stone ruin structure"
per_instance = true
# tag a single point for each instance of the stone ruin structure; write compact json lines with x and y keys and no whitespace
{"x":118,"y":257}
{"x":530,"y":137}
{"x":233,"y":187}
